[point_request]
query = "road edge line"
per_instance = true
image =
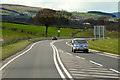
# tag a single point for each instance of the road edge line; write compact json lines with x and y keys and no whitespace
{"x":17,"y":57}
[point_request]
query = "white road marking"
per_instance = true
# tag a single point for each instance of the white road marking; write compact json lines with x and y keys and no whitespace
{"x":56,"y":64}
{"x":67,"y":43}
{"x":96,"y":63}
{"x":72,"y":69}
{"x":94,"y":73}
{"x":114,"y":70}
{"x":105,"y":54}
{"x":60,"y":62}
{"x":85,"y":75}
{"x":61,"y":50}
{"x":68,"y":53}
{"x":17,"y":57}
{"x":65,"y":70}
{"x":80,"y":57}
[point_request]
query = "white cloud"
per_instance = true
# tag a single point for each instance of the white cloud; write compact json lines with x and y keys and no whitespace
{"x":64,"y":1}
{"x":69,"y":5}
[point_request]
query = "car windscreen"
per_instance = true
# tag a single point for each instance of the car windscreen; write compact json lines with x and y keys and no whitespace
{"x":80,"y":41}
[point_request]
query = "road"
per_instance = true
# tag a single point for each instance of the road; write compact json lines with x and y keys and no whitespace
{"x":54,"y":60}
{"x":107,"y":64}
{"x":36,"y":63}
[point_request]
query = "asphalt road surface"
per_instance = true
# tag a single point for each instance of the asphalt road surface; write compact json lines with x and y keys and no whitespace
{"x":42,"y":61}
{"x":106,"y":61}
{"x":36,"y":63}
{"x":107,"y":68}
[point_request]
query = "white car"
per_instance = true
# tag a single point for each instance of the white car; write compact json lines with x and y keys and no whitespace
{"x":79,"y":45}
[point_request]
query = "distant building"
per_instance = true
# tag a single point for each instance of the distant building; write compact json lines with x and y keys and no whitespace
{"x":86,"y":23}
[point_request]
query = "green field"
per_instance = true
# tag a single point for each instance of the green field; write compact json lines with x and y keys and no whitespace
{"x":40,"y":30}
{"x":106,"y":45}
{"x":90,"y":33}
{"x":31,"y":28}
{"x":17,"y":39}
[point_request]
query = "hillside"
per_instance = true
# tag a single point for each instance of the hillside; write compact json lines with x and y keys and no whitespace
{"x":21,"y":10}
{"x":78,"y":15}
{"x":117,"y":14}
{"x":102,"y":13}
{"x":17,"y":10}
{"x":24,"y":14}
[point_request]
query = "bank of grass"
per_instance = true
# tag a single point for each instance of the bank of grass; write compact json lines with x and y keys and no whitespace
{"x":10,"y":36}
{"x":106,"y":45}
{"x":90,"y":33}
{"x":13,"y":41}
{"x":12,"y":48}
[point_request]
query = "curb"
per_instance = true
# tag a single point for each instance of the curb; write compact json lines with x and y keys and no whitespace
{"x":106,"y":53}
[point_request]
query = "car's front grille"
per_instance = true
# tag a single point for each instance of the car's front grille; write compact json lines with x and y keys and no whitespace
{"x":81,"y":46}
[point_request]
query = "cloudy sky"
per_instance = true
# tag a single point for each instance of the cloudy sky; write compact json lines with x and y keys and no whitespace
{"x":70,"y":5}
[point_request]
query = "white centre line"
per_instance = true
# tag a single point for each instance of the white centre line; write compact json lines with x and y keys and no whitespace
{"x":68,"y":53}
{"x":96,"y":63}
{"x":56,"y":64}
{"x":60,"y":50}
{"x":67,"y":43}
{"x":60,"y":62}
{"x":80,"y":57}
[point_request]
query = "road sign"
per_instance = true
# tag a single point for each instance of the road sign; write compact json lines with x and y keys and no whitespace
{"x":99,"y":30}
{"x":58,"y":30}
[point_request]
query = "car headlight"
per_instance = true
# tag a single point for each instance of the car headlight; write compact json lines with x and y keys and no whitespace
{"x":75,"y":45}
{"x":85,"y":46}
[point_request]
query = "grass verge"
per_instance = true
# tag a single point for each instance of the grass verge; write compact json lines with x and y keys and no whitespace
{"x":9,"y":36}
{"x":12,"y":48}
{"x":106,"y":45}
